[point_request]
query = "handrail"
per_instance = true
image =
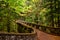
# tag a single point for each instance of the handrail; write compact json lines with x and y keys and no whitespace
{"x":41,"y":27}
{"x":34,"y":24}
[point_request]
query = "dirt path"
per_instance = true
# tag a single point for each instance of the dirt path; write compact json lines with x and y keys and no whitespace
{"x":45,"y":36}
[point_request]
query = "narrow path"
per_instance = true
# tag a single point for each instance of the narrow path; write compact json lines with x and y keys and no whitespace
{"x":44,"y":36}
{"x":41,"y":35}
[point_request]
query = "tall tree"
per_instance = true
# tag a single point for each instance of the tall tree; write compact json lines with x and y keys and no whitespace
{"x":53,"y":15}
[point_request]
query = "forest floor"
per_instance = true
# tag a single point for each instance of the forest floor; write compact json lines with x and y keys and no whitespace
{"x":44,"y":36}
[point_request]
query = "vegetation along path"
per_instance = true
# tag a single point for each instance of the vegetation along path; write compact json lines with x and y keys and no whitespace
{"x":41,"y":35}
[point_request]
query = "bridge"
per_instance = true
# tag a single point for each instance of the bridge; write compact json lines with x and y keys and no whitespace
{"x":42,"y":34}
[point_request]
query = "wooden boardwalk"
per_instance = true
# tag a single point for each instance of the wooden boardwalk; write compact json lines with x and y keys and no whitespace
{"x":44,"y":36}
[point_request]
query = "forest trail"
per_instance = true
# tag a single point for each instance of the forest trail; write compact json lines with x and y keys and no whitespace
{"x":40,"y":34}
{"x":44,"y":36}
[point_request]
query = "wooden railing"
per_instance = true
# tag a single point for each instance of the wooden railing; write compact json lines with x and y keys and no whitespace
{"x":47,"y":29}
{"x":19,"y":36}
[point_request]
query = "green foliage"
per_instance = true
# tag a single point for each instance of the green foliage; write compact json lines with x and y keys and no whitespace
{"x":34,"y":15}
{"x":7,"y":17}
{"x":44,"y":11}
{"x":23,"y":29}
{"x":9,"y":12}
{"x":51,"y":13}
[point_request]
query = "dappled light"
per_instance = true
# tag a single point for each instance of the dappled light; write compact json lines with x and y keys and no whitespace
{"x":29,"y":19}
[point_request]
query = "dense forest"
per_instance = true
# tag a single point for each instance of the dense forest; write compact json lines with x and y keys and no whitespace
{"x":44,"y":12}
